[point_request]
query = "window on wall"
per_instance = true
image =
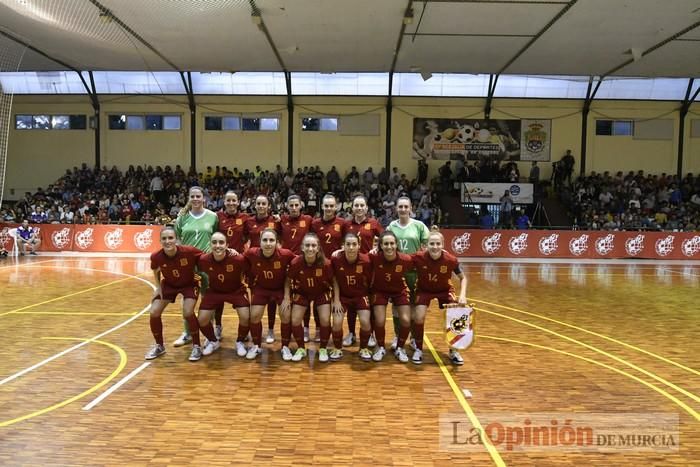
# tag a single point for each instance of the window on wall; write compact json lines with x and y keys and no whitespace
{"x":222,"y":123}
{"x":614,"y":127}
{"x":145,"y":122}
{"x":50,"y":122}
{"x":319,"y":124}
{"x":260,"y":124}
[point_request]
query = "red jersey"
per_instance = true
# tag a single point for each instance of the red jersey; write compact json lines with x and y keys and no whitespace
{"x":435,"y":275}
{"x":330,"y":233}
{"x":388,"y":276}
{"x":293,"y":230}
{"x":225,"y":276}
{"x":366,"y":230}
{"x":234,"y":227}
{"x":353,"y":279}
{"x":310,"y":281}
{"x":268,"y":273}
{"x":254,"y":226}
{"x":178,"y":270}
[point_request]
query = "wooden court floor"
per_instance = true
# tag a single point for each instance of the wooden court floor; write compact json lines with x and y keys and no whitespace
{"x":572,"y":340}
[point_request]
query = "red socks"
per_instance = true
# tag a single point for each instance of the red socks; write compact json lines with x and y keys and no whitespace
{"x":157,"y":329}
{"x":352,"y":320}
{"x":325,"y":335}
{"x":287,"y":334}
{"x":418,"y":330}
{"x":194,"y":329}
{"x":208,"y":332}
{"x":379,"y":333}
{"x":256,"y":333}
{"x":298,"y":332}
{"x":242,"y":332}
{"x":403,"y":335}
{"x":364,"y":338}
{"x":338,"y":339}
{"x":271,"y":311}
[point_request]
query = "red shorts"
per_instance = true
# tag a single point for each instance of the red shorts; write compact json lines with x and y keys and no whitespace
{"x":265,"y":296}
{"x":424,"y":298}
{"x":212,"y":299}
{"x":399,"y":299}
{"x":355,"y":303}
{"x":302,"y":300}
{"x":170,"y":293}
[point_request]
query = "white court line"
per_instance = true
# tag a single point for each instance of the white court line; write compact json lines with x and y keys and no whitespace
{"x":81,"y":344}
{"x":121,"y":382}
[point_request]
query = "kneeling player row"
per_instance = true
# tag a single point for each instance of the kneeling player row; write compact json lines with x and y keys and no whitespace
{"x":348,"y":282}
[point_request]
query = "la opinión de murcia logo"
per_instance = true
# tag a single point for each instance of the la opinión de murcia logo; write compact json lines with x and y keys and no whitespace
{"x":461,"y":243}
{"x":517,"y":245}
{"x":578,"y":245}
{"x":548,"y":245}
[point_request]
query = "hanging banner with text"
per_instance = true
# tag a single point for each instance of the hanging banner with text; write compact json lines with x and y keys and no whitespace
{"x":501,"y":140}
{"x":474,"y":193}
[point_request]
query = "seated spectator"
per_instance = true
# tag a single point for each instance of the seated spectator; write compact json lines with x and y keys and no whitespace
{"x":27,"y":236}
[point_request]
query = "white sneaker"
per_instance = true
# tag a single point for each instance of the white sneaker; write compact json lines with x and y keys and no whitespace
{"x":218,"y":331}
{"x":336,"y":354}
{"x":253,"y":352}
{"x":270,"y":336}
{"x":372,"y":342}
{"x":379,"y":354}
{"x":210,"y":347}
{"x":196,"y":353}
{"x":299,"y":354}
{"x":365,"y":354}
{"x":184,"y":338}
{"x":456,"y":358}
{"x":349,"y":339}
{"x":306,"y":334}
{"x":241,"y":351}
{"x":317,"y":335}
{"x":394,"y":343}
{"x":400,"y":354}
{"x":286,"y":354}
{"x":417,"y":357}
{"x":154,"y":352}
{"x":413,"y":344}
{"x":323,"y":354}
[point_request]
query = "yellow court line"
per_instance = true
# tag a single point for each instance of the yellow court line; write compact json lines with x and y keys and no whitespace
{"x":672,"y":398}
{"x":602,"y":336}
{"x":68,"y":295}
{"x":71,"y":313}
{"x":122,"y":364}
{"x":600,"y":351}
{"x":493,"y":452}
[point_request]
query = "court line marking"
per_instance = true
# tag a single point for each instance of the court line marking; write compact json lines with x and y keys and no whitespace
{"x":120,"y":367}
{"x":493,"y":452}
{"x":66,"y":296}
{"x":71,"y":313}
{"x":77,"y":346}
{"x":602,"y":336}
{"x":600,"y":351}
{"x":604,"y":365}
{"x":116,"y":386}
{"x":18,"y":265}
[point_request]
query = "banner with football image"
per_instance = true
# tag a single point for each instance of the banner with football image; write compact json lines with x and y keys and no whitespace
{"x":486,"y":140}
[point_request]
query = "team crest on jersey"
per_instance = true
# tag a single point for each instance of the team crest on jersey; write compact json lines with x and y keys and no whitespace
{"x":399,"y":268}
{"x":229,"y":268}
{"x":277,"y":265}
{"x":337,"y":227}
{"x":239,"y":221}
{"x":319,"y":272}
{"x":368,"y":227}
{"x":443,"y":269}
{"x":358,"y":269}
{"x":302,"y":223}
{"x":270,"y":225}
{"x":183,"y":262}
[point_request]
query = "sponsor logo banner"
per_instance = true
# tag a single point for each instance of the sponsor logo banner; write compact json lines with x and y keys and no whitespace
{"x":522,"y":193}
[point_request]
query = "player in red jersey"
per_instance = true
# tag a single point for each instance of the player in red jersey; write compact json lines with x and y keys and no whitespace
{"x":388,"y":284}
{"x":267,"y":279}
{"x":435,"y":269}
{"x":353,"y":274}
{"x":293,"y":227}
{"x":311,"y":280}
{"x":173,"y":270}
{"x":367,"y":229}
{"x":329,"y":227}
{"x":225,"y":285}
{"x":232,"y":224}
{"x":254,"y":227}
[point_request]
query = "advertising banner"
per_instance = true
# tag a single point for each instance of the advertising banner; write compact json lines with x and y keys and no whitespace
{"x":522,"y":193}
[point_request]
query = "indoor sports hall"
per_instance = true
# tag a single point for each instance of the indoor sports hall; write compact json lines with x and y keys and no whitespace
{"x":579,"y":335}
